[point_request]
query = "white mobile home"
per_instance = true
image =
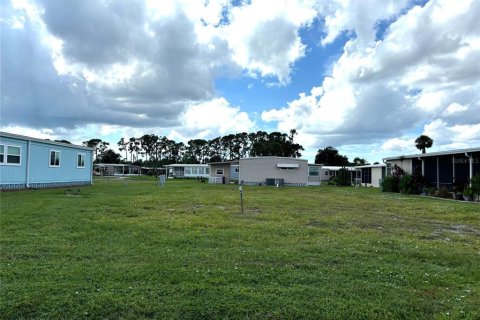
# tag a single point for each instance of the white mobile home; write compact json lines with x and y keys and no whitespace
{"x":329,"y":172}
{"x":372,"y":174}
{"x":181,"y":170}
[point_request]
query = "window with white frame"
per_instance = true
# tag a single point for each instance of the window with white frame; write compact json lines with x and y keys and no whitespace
{"x":80,"y":160}
{"x":54,"y":158}
{"x":207,"y":170}
{"x":10,"y":154}
{"x":236,"y":170}
{"x":220,"y":172}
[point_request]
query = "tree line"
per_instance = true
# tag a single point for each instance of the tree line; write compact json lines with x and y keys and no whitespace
{"x":153,"y":150}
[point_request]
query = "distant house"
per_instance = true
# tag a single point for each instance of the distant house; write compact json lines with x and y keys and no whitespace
{"x":372,"y":174}
{"x":224,"y":172}
{"x":27,"y":162}
{"x":116,"y":169}
{"x":273,"y":171}
{"x":180,"y":170}
{"x":329,"y":172}
{"x":439,"y":168}
{"x":266,"y":171}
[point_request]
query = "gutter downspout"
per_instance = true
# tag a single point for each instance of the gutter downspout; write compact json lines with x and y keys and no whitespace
{"x":27,"y":178}
{"x":91,"y":168}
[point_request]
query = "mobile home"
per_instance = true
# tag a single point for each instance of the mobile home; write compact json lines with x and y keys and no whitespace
{"x":27,"y":162}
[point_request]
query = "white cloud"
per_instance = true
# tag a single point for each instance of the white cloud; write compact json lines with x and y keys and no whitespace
{"x":360,"y":17}
{"x":402,"y":145}
{"x":424,"y":68}
{"x":210,"y":119}
{"x":455,"y":108}
{"x":264,"y":36}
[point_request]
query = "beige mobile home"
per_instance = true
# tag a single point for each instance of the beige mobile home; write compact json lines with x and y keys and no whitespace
{"x":223,"y":172}
{"x":273,"y":171}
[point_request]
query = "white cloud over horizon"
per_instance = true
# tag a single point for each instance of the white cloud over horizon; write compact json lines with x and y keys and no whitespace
{"x":120,"y":68}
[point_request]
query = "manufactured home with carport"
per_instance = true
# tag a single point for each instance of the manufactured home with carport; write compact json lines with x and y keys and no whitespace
{"x":372,"y":174}
{"x":444,"y":168}
{"x":27,"y":162}
{"x":327,"y":173}
{"x":183,"y":170}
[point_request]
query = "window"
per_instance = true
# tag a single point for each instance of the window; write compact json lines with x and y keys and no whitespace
{"x":236,"y":170}
{"x":54,"y":158}
{"x":10,"y":154}
{"x":13,"y":155}
{"x":313,"y":171}
{"x":220,"y":172}
{"x":81,"y":160}
{"x":207,"y":170}
{"x":389,"y":168}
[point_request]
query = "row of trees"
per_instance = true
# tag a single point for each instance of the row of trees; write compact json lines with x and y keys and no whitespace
{"x":151,"y":149}
{"x":154,"y":150}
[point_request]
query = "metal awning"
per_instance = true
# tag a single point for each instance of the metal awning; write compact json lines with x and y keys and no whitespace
{"x":287,"y":165}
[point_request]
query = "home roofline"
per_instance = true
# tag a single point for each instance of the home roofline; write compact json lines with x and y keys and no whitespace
{"x":27,"y":138}
{"x":187,"y":165}
{"x":273,"y":157}
{"x":233,"y":162}
{"x":432,"y":154}
{"x":379,"y":165}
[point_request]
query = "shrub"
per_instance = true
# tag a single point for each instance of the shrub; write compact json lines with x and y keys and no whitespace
{"x":443,"y":192}
{"x":390,"y":184}
{"x":475,"y":182}
{"x":331,"y":181}
{"x":343,"y":177}
{"x":406,"y":184}
{"x":468,"y":192}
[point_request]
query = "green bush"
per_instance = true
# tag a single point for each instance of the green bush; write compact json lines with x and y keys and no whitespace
{"x":475,"y":182}
{"x":412,"y":184}
{"x":343,"y":178}
{"x":468,"y":192}
{"x":390,"y":184}
{"x":406,"y":184}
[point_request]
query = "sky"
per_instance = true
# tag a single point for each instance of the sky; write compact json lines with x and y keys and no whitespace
{"x":366,"y":77}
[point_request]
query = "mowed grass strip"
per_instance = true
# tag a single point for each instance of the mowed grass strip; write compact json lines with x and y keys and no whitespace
{"x":130,"y":249}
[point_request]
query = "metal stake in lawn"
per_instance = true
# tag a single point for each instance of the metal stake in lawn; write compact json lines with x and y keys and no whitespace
{"x":241,"y":198}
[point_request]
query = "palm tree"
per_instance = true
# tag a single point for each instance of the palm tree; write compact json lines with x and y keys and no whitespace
{"x":423,"y":142}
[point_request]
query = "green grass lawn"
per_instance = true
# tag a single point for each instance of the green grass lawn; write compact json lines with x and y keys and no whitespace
{"x":131,"y":249}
